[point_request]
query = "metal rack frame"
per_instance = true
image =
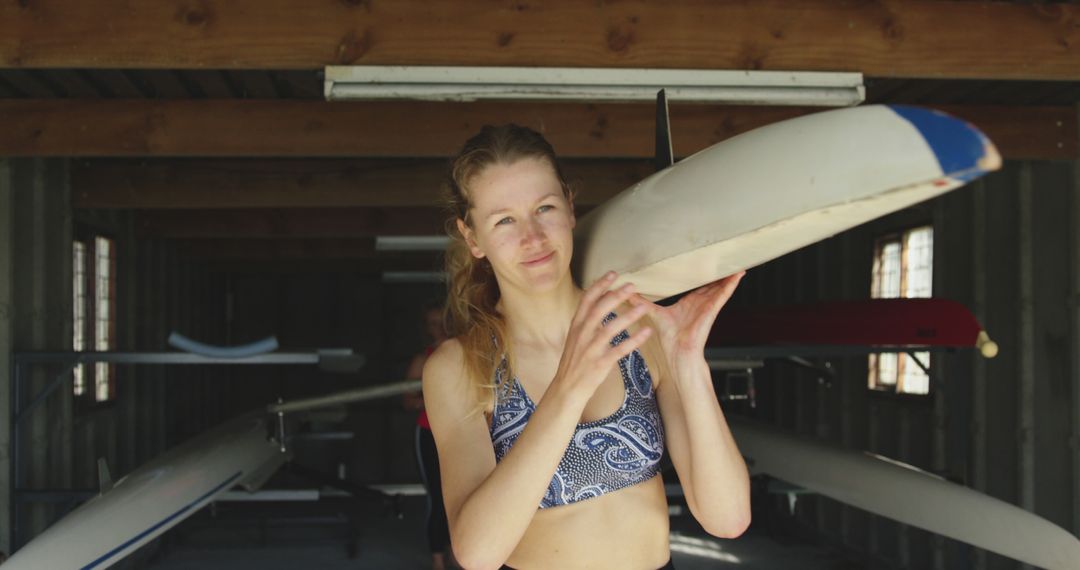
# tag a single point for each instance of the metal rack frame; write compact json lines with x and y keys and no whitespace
{"x":22,"y":361}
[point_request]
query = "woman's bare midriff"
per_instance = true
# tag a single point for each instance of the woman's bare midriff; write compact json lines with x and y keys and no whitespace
{"x":627,"y":528}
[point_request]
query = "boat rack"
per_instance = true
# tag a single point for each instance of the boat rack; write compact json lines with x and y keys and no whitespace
{"x":327,"y":359}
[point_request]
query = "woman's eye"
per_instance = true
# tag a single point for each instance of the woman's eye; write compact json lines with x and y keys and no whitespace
{"x":504,"y":221}
{"x":545,"y":208}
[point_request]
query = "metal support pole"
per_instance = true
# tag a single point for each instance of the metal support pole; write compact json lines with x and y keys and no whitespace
{"x":7,"y":317}
{"x":1074,"y":240}
{"x":847,"y":404}
{"x":903,"y":531}
{"x":16,"y":454}
{"x":978,"y":471}
{"x":49,"y":389}
{"x":281,"y":427}
{"x":1026,"y":389}
{"x":941,"y":393}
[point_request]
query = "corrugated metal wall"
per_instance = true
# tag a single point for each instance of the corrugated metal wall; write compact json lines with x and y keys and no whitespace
{"x":62,"y":444}
{"x":1007,"y":247}
{"x":7,"y":272}
{"x":382,"y":321}
{"x":159,"y":291}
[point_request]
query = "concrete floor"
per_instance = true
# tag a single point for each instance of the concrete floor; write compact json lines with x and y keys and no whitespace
{"x":319,"y":536}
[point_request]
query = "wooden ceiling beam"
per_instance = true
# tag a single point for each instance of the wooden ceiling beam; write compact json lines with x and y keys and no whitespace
{"x":361,"y":251}
{"x":303,"y":183}
{"x":250,"y":128}
{"x":308,"y":266}
{"x":1025,"y":133}
{"x":290,"y":224}
{"x":917,"y":38}
{"x":239,"y":128}
{"x":294,"y":223}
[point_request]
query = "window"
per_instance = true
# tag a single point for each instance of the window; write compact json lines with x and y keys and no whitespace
{"x":903,"y":267}
{"x":78,"y":342}
{"x":94,"y":314}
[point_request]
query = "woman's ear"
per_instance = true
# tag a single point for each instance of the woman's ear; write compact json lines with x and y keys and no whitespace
{"x":470,"y":240}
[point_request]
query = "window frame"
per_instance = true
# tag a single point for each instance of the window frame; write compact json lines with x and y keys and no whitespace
{"x":873,"y":384}
{"x":88,"y":237}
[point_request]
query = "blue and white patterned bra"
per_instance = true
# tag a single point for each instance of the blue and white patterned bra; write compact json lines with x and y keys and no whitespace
{"x":618,"y":451}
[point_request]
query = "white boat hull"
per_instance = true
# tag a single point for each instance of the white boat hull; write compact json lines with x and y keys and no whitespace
{"x":907,"y":494}
{"x":155,"y":497}
{"x":757,"y":196}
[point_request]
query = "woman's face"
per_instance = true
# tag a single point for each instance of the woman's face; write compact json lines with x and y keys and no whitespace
{"x":522,"y":223}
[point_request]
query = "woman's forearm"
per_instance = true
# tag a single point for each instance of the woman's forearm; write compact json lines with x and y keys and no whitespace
{"x":718,"y":474}
{"x":493,"y":519}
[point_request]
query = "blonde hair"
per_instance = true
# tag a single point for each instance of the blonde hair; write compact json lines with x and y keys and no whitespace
{"x":473,"y":292}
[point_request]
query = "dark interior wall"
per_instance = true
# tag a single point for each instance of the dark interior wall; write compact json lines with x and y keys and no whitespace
{"x":334,"y":309}
{"x":160,"y":290}
{"x":38,"y":309}
{"x":7,"y":296}
{"x":62,"y":440}
{"x":183,"y":296}
{"x":1005,"y":247}
{"x":1054,"y":384}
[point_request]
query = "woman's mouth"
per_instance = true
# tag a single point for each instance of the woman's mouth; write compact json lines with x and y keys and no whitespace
{"x":538,"y":260}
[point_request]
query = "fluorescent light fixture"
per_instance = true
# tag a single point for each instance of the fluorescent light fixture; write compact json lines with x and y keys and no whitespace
{"x":411,"y":243}
{"x":834,"y":89}
{"x":414,"y":277}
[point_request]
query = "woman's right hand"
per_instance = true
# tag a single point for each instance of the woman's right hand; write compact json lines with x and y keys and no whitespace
{"x":588,"y":355}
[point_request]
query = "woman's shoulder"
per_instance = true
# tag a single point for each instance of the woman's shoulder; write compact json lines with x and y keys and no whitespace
{"x":446,"y":381}
{"x":446,"y":365}
{"x":448,"y":352}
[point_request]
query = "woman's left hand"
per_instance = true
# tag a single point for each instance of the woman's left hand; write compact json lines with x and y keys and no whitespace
{"x":684,"y":327}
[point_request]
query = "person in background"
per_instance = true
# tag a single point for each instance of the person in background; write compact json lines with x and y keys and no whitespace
{"x":438,"y":533}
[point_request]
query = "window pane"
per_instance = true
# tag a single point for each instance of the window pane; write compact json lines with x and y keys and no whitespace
{"x":103,"y":315}
{"x":101,"y":336}
{"x":886,"y":276}
{"x":887,"y":367}
{"x":78,"y":329}
{"x":915,"y":380}
{"x":79,"y":387}
{"x":919,"y":246}
{"x":103,"y":307}
{"x":101,"y":381}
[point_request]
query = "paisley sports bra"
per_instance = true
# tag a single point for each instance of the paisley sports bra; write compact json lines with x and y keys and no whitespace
{"x":618,"y":451}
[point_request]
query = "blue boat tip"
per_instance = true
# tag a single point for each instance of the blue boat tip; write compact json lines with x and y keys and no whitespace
{"x":957,"y":145}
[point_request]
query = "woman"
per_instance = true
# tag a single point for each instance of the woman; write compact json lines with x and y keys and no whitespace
{"x":542,"y":397}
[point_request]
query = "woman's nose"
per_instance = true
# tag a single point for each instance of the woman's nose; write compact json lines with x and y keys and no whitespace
{"x":533,"y":231}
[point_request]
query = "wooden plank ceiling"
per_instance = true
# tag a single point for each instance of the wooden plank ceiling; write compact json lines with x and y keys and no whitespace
{"x":914,"y":38}
{"x":207,"y":118}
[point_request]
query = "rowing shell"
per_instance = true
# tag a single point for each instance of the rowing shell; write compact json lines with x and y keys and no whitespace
{"x":773,"y":190}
